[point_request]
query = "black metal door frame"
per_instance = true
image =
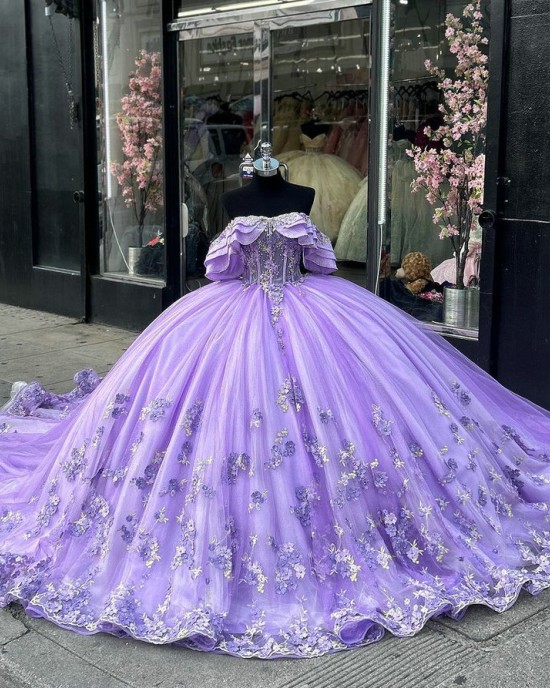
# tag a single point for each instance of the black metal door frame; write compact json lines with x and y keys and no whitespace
{"x":90,"y":225}
{"x":495,"y":185}
{"x":45,"y":288}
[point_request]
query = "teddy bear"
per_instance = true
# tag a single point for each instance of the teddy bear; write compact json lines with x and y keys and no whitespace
{"x":415,"y":271}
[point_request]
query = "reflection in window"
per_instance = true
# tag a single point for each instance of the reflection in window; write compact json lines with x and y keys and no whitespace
{"x":204,"y":8}
{"x":130,"y":115}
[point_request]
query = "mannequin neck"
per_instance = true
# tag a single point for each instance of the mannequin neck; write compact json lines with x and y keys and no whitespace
{"x":262,"y":183}
{"x":268,"y":196}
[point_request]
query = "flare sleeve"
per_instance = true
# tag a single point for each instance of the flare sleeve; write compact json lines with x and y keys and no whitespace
{"x":225,"y":258}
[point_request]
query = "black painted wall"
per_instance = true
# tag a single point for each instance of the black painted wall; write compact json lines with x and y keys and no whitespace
{"x":57,"y":147}
{"x":523,"y":237}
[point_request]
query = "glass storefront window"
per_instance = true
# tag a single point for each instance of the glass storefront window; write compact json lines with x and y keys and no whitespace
{"x":129,"y":69}
{"x":320,"y":80}
{"x":216,"y":127}
{"x":304,"y":87}
{"x":197,"y":8}
{"x":412,"y":238}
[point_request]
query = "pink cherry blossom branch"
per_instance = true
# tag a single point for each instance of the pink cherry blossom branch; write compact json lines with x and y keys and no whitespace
{"x":140,"y":173}
{"x":452,"y":174}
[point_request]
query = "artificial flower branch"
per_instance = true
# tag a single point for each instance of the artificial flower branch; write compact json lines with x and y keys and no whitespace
{"x":140,"y":124}
{"x":452,"y":171}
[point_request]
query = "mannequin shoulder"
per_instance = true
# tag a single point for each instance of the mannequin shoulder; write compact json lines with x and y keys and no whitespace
{"x":233,"y":201}
{"x":303,"y":197}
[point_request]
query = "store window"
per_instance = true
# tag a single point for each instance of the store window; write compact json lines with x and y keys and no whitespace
{"x":216,"y":130}
{"x":129,"y":70}
{"x":321,"y":78}
{"x":419,"y":266}
{"x":302,"y":85}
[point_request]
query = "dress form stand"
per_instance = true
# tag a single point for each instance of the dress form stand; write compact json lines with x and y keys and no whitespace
{"x":268,"y":194}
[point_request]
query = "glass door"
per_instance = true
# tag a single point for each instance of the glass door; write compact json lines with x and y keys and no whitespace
{"x":301,"y":81}
{"x":217,"y":127}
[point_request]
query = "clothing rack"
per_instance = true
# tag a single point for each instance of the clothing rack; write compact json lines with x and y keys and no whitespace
{"x":410,"y":100}
{"x":351,"y":94}
{"x":416,"y":89}
{"x":330,"y":95}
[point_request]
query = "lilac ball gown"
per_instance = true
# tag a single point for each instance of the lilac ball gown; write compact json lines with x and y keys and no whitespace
{"x":280,"y":465}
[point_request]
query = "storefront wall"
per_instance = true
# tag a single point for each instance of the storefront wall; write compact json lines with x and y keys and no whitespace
{"x":522,"y":313}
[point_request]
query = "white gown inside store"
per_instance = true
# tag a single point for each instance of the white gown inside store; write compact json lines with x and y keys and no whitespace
{"x":352,"y":239}
{"x":335,"y":182}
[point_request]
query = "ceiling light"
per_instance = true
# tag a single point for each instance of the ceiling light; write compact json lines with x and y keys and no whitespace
{"x":249,"y":5}
{"x":194,"y":13}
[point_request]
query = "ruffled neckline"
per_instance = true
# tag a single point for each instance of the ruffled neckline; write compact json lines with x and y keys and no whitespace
{"x":225,"y":259}
{"x":255,"y":218}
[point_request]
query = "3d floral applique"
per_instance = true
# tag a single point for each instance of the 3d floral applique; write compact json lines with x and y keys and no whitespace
{"x":155,"y":410}
{"x":290,"y":395}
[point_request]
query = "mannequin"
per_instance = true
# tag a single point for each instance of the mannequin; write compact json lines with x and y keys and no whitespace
{"x":268,"y":194}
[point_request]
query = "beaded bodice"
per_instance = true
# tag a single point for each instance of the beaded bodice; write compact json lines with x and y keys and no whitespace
{"x":272,"y":259}
{"x":268,"y":251}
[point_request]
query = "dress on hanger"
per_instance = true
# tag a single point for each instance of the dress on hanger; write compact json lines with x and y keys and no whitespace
{"x":289,"y":114}
{"x":359,"y":156}
{"x":335,"y":181}
{"x":280,"y":465}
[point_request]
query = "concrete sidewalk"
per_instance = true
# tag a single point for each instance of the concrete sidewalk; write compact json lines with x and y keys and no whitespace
{"x":484,"y":650}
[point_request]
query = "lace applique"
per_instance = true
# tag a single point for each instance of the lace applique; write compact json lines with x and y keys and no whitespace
{"x":155,"y":409}
{"x":257,"y":498}
{"x":117,"y":407}
{"x":9,"y":519}
{"x":273,"y":260}
{"x":185,"y":549}
{"x":256,"y":418}
{"x":290,"y":394}
{"x":281,"y":449}
{"x":192,"y":418}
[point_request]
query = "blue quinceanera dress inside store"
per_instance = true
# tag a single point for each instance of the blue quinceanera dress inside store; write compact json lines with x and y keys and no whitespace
{"x":280,"y":465}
